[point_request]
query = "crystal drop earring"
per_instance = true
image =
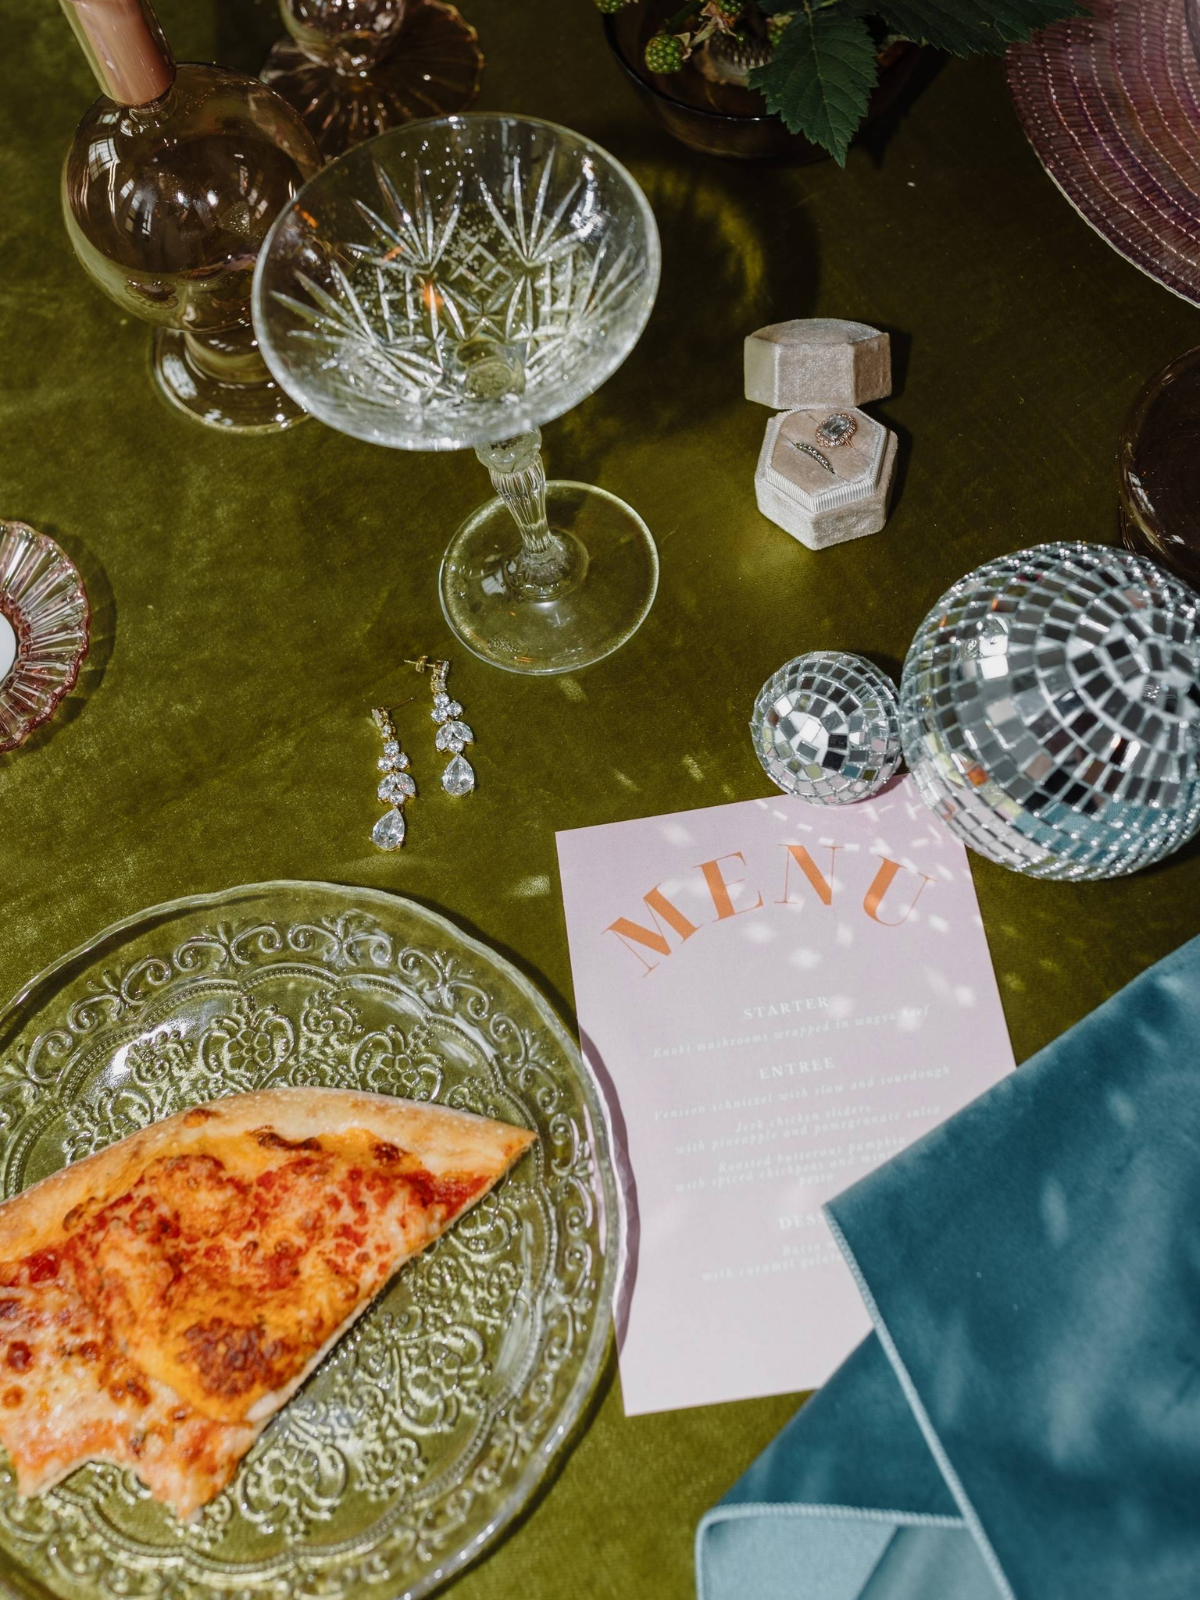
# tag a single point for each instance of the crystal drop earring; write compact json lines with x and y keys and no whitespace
{"x":395,"y":786}
{"x":453,"y":735}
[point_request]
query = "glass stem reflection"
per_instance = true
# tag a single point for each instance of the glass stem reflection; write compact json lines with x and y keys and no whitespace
{"x":547,"y":563}
{"x":231,"y":356}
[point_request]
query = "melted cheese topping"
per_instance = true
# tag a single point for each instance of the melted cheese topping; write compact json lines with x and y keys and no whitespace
{"x":162,"y":1326}
{"x":68,"y":1395}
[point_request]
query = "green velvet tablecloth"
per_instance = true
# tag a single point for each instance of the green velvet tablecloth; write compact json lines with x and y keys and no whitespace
{"x":254,"y":597}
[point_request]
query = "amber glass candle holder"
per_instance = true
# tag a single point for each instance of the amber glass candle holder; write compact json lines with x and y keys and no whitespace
{"x":354,"y":68}
{"x":170,"y":187}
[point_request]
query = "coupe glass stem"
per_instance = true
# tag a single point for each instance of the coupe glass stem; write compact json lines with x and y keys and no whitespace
{"x":547,"y":564}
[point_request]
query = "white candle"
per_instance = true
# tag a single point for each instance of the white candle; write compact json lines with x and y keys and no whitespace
{"x":8,"y":646}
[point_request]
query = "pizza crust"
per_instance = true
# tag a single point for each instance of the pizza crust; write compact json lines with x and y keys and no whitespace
{"x":445,"y":1140}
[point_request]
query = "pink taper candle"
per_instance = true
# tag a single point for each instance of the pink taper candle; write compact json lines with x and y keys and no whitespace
{"x":125,"y":47}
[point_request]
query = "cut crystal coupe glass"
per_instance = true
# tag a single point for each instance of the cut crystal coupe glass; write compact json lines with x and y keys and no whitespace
{"x":459,"y":282}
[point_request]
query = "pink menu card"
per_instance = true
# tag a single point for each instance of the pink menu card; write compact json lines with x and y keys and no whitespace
{"x":776,"y":997}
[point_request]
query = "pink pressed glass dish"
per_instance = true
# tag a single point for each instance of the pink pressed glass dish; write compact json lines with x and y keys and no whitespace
{"x":44,"y":621}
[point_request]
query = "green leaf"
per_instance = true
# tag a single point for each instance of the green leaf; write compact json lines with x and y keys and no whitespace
{"x":971,"y":27}
{"x":820,"y":77}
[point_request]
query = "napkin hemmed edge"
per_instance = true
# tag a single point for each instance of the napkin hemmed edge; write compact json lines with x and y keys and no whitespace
{"x":773,"y":1508}
{"x":969,"y":1515}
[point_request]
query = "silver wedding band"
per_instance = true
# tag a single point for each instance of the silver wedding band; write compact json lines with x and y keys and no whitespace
{"x":811,"y":450}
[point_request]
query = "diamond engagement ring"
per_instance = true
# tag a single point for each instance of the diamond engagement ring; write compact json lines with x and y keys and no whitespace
{"x":836,"y":430}
{"x":811,"y":450}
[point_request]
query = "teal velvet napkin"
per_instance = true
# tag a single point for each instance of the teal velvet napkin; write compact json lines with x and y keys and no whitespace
{"x":1024,"y":1422}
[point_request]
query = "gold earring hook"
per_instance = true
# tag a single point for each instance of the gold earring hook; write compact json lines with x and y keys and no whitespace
{"x":440,"y":670}
{"x":381,"y":715}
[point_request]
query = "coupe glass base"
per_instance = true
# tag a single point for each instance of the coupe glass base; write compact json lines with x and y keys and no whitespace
{"x":257,"y":406}
{"x":434,"y":68}
{"x":580,"y":625}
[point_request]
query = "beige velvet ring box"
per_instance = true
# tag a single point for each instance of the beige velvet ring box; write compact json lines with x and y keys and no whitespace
{"x":826,"y":467}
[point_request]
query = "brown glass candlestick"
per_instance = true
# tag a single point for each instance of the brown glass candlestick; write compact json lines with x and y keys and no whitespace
{"x":354,"y":68}
{"x":173,"y":180}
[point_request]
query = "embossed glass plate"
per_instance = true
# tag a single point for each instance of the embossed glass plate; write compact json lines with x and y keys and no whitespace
{"x":429,"y":1426}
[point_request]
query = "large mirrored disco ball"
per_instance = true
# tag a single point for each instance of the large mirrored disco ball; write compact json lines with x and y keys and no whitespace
{"x":826,"y":727}
{"x":1050,"y":711}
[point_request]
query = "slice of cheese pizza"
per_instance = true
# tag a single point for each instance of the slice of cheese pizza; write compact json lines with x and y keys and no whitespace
{"x":160,"y":1300}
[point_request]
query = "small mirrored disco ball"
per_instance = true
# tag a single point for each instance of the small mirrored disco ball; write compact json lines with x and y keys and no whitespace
{"x":1050,"y":711}
{"x":826,"y":727}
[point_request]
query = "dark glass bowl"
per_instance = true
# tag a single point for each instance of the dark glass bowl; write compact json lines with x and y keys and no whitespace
{"x":1158,"y":465}
{"x":718,"y":128}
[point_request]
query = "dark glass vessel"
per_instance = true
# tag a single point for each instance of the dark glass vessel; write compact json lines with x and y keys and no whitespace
{"x":714,"y":111}
{"x":169,"y":189}
{"x":1158,"y":469}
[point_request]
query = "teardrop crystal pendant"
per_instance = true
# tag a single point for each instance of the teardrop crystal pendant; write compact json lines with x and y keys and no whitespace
{"x":452,"y":735}
{"x":395,"y":787}
{"x":388,"y":832}
{"x":459,"y":777}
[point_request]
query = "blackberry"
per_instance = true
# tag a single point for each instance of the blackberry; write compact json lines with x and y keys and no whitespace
{"x":664,"y":53}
